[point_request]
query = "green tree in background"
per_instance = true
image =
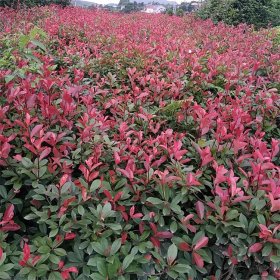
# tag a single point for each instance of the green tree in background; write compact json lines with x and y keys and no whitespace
{"x":260,"y":13}
{"x":127,"y":7}
{"x":30,"y":3}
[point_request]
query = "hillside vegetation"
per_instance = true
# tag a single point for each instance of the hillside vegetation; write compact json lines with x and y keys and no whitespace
{"x":137,"y":147}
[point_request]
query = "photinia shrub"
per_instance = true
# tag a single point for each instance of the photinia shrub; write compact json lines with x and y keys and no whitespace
{"x":137,"y":147}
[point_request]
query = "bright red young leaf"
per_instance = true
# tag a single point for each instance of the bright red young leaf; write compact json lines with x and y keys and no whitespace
{"x":184,"y":246}
{"x":134,"y":215}
{"x":255,"y":247}
{"x":198,"y":260}
{"x":199,"y":206}
{"x":8,"y":215}
{"x":202,"y":242}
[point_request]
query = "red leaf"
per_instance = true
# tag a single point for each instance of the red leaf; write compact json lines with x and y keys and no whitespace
{"x":117,"y":158}
{"x":26,"y":251}
{"x":164,"y":234}
{"x":63,"y":179}
{"x":141,"y":227}
{"x":45,"y":153}
{"x":118,"y":196}
{"x":155,"y":242}
{"x":126,"y":173}
{"x":35,"y":260}
{"x":72,"y":269}
{"x":10,"y":227}
{"x":26,"y":255}
{"x":199,"y":206}
{"x":9,"y":213}
{"x":70,"y":235}
{"x":107,"y":193}
{"x":35,"y":130}
{"x":134,"y":216}
{"x":124,"y":237}
{"x":275,"y":203}
{"x":154,"y":228}
{"x":202,"y":242}
{"x":137,"y":216}
{"x":67,"y":98}
{"x":241,"y":198}
{"x":131,"y":211}
{"x":65,"y":275}
{"x":5,"y":150}
{"x":198,"y":260}
{"x":184,"y":246}
{"x":255,"y":247}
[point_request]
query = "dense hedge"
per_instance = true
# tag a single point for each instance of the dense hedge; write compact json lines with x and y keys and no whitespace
{"x":137,"y":147}
{"x":260,"y":13}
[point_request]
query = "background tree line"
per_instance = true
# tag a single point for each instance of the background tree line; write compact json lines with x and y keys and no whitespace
{"x":260,"y":13}
{"x":30,"y":3}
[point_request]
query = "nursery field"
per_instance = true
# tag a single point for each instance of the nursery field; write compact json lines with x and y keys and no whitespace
{"x":137,"y":147}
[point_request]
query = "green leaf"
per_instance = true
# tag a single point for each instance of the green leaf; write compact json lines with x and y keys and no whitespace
{"x":4,"y":275}
{"x":6,"y":267}
{"x":23,"y":41}
{"x":121,"y":183}
{"x":3,"y":191}
{"x":96,"y":276}
{"x":172,"y":274}
{"x":44,"y":249}
{"x":252,"y":226}
{"x":275,"y":259}
{"x":275,"y":218}
{"x":60,"y":252}
{"x":55,"y":276}
{"x":197,"y":236}
{"x":205,"y":254}
{"x":232,"y":214}
{"x":154,"y":200}
{"x":261,"y":219}
{"x":25,"y":270}
{"x":101,"y":267}
{"x":107,"y":211}
{"x":172,"y":254}
{"x":176,"y":209}
{"x":91,"y":262}
{"x":95,"y":185}
{"x":35,"y":31}
{"x":54,"y":259}
{"x":53,"y":232}
{"x":235,"y":224}
{"x":260,"y":204}
{"x":243,"y":220}
{"x":266,"y":249}
{"x":116,"y":246}
{"x":42,"y":171}
{"x":81,"y":210}
{"x":98,"y":248}
{"x":173,"y":226}
{"x":32,"y":275}
{"x":3,"y":258}
{"x":181,"y":268}
{"x":27,"y":163}
{"x":39,"y":44}
{"x":42,"y":269}
{"x":112,"y":269}
{"x":30,"y":217}
{"x":127,"y":261}
{"x":115,"y":227}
